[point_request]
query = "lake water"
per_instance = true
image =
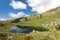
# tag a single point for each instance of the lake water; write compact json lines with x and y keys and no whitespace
{"x":15,"y":29}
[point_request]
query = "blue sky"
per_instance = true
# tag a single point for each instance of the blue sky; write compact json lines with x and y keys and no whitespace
{"x":5,"y":9}
{"x":10,"y":9}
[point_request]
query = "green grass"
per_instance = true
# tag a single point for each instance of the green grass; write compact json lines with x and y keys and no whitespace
{"x":36,"y":23}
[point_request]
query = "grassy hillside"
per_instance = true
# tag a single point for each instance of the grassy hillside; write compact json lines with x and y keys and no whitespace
{"x":49,"y":21}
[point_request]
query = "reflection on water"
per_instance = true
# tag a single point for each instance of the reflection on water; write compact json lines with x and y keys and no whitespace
{"x":26,"y":29}
{"x":16,"y":29}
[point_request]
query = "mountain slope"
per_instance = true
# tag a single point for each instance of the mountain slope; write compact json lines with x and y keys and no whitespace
{"x":39,"y":23}
{"x":39,"y":19}
{"x":51,"y":16}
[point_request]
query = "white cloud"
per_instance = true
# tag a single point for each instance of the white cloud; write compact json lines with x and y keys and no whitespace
{"x":18,"y":15}
{"x":18,"y":5}
{"x":3,"y":19}
{"x":43,"y":5}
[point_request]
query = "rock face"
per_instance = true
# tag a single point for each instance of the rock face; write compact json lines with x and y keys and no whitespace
{"x":52,"y":37}
{"x":3,"y":36}
{"x":28,"y":38}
